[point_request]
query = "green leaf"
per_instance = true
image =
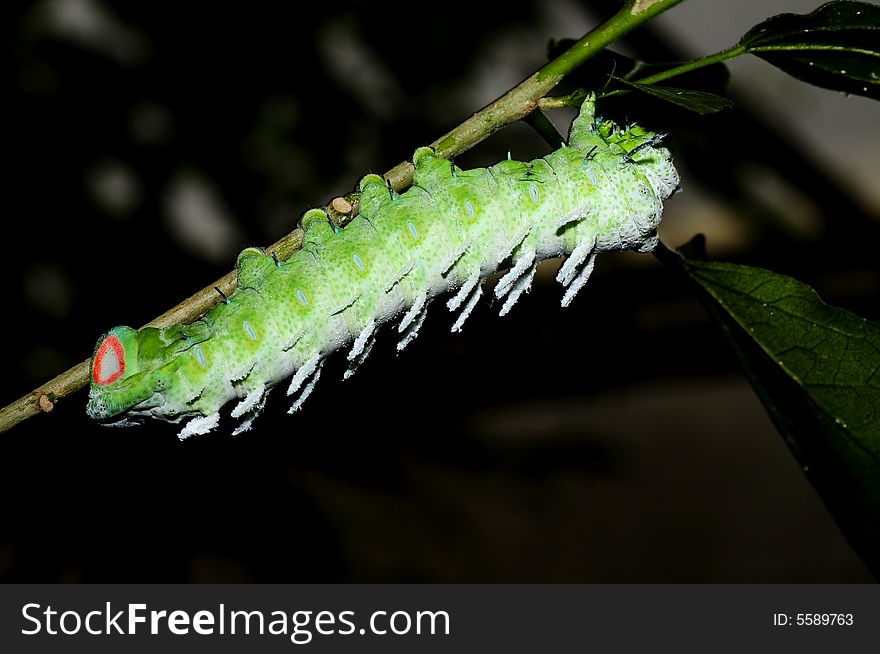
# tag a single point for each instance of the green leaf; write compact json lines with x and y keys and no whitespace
{"x":699,"y":101}
{"x":817,"y":370}
{"x":714,"y":78}
{"x":836,"y":47}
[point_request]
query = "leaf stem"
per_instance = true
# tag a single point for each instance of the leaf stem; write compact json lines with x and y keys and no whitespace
{"x":687,"y":67}
{"x":539,"y":122}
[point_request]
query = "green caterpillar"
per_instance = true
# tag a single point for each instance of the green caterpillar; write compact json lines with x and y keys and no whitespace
{"x":602,"y":191}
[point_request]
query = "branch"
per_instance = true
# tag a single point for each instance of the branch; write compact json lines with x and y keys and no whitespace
{"x":516,"y":104}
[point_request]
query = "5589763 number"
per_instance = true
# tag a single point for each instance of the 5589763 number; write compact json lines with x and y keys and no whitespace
{"x":813,"y":619}
{"x":823,"y":619}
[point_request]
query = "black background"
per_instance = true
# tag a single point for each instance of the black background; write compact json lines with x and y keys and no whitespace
{"x":611,"y":441}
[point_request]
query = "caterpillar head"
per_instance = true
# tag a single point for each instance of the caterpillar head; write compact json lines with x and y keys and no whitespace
{"x":599,"y":138}
{"x":128,"y":373}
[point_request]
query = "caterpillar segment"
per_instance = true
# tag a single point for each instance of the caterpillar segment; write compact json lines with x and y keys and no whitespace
{"x":602,"y":191}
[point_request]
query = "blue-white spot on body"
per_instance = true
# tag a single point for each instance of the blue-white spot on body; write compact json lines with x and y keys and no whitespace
{"x":199,"y":354}
{"x":533,"y":192}
{"x":303,"y":300}
{"x":412,"y":229}
{"x":591,"y":175}
{"x":469,"y":207}
{"x":249,"y":330}
{"x":358,"y":262}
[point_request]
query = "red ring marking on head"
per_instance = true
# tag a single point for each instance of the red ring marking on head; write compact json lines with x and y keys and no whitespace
{"x":110,"y":345}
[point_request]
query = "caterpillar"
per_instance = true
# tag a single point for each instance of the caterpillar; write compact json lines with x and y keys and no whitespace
{"x":601,"y":191}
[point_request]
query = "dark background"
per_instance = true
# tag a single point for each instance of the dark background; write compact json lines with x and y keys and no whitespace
{"x":146,"y":143}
